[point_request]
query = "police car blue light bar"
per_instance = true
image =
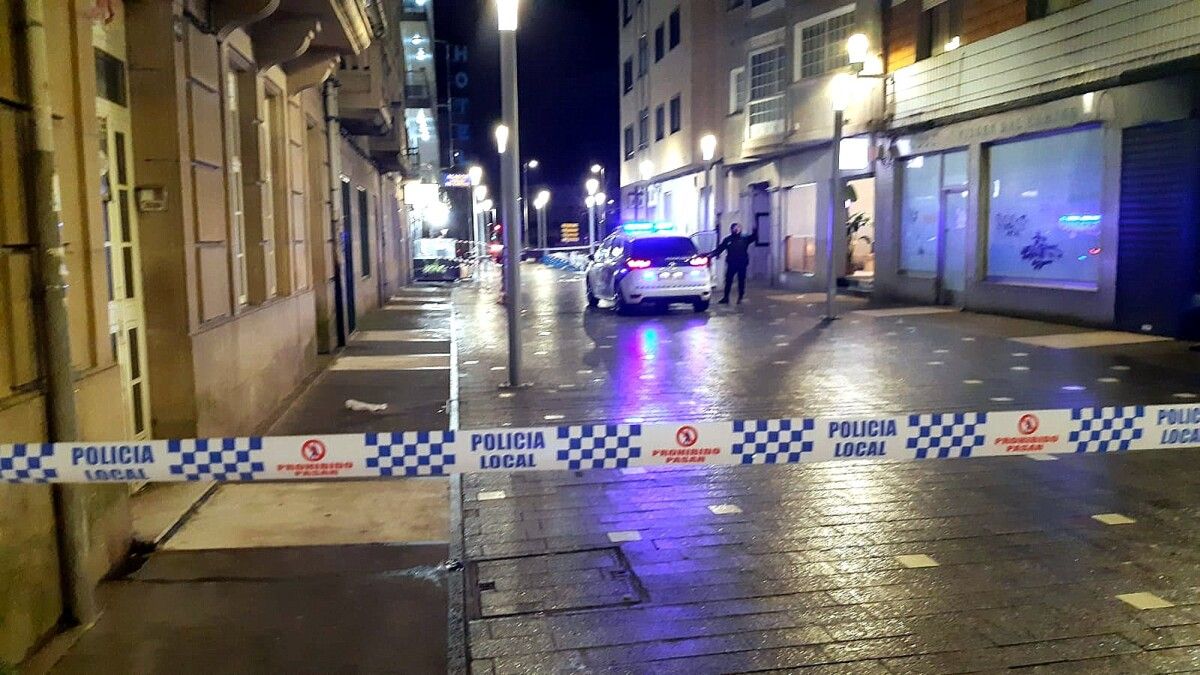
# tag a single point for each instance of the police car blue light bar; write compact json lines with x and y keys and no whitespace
{"x":647,"y":227}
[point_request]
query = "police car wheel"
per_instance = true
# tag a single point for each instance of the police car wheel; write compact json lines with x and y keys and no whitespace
{"x":700,"y":306}
{"x":592,"y":300}
{"x":619,"y":300}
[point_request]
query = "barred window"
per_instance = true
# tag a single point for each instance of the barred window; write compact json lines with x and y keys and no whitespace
{"x":822,"y":44}
{"x":768,"y":95}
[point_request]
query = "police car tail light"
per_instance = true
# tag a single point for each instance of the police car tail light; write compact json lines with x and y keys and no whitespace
{"x":637,"y":264}
{"x":700,"y":261}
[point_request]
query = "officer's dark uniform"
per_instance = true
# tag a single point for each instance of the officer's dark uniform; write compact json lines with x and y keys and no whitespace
{"x":737,"y":259}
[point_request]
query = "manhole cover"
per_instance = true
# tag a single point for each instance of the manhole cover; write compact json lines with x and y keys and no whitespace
{"x":551,"y":582}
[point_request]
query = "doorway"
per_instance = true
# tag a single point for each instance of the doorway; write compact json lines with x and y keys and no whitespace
{"x":122,"y":252}
{"x":952,"y":247}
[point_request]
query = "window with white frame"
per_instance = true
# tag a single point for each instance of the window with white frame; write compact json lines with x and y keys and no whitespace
{"x":821,"y":43}
{"x":768,"y":92}
{"x":737,"y":90}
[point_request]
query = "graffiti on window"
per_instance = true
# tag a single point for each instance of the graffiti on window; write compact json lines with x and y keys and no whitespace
{"x":1041,"y":252}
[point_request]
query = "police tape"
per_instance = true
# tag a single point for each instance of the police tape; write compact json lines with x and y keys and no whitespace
{"x":608,"y":446}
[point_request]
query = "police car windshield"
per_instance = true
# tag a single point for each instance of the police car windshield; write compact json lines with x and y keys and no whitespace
{"x":662,"y":247}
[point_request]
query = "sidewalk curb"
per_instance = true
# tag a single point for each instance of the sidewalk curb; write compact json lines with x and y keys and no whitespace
{"x":456,"y":629}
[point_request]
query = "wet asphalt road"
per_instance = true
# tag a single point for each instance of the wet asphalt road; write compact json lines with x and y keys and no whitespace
{"x":800,"y":568}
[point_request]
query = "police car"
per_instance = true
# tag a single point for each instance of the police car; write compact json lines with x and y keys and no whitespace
{"x":648,"y":263}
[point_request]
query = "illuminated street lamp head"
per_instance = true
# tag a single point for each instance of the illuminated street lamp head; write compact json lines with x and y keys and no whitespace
{"x":857,"y":48}
{"x":544,"y":196}
{"x":486,"y":205}
{"x":480,"y":193}
{"x":533,"y":164}
{"x":708,"y":147}
{"x":647,"y":169}
{"x":841,"y":88}
{"x":506,"y":14}
{"x":589,"y":201}
{"x":502,"y":138}
{"x":592,"y":186}
{"x":596,"y":168}
{"x":476,"y":174}
{"x":601,"y":199}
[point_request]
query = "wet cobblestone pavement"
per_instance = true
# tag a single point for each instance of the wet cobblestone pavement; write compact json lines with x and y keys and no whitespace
{"x":981,"y":565}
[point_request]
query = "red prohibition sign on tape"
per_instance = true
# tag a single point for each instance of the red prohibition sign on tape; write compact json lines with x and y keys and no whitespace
{"x":687,"y":436}
{"x":313,"y":450}
{"x":1028,"y":424}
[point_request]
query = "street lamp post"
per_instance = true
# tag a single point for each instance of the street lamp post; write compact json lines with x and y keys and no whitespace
{"x":510,"y":176}
{"x":531,"y":164}
{"x":708,"y":151}
{"x":840,"y":88}
{"x":592,"y":185}
{"x":539,"y":203}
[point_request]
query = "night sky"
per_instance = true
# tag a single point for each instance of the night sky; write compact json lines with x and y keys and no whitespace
{"x":569,"y":97}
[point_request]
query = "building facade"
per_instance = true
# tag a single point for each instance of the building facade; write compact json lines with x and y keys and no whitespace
{"x":760,"y":74}
{"x":668,"y":51}
{"x":232,"y":178}
{"x":1038,"y":160}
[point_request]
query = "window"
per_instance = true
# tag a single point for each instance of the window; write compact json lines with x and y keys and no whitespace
{"x":1038,"y":9}
{"x":643,"y":56}
{"x":675,"y":28}
{"x":628,"y":74}
{"x":767,"y":93}
{"x":660,"y":43}
{"x":737,"y":90}
{"x":644,"y":128}
{"x":921,"y":181}
{"x":662,"y":247}
{"x":941,"y":29}
{"x":238,"y":115}
{"x":800,"y":233}
{"x":821,"y":43}
{"x":676,"y":114}
{"x":626,"y":12}
{"x":660,"y":122}
{"x":1044,"y":208}
{"x":927,"y":183}
{"x":629,"y":143}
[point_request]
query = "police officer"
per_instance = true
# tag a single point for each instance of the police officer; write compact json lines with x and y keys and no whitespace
{"x":737,"y":249}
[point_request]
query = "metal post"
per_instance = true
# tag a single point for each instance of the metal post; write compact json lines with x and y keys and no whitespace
{"x":835,"y":196}
{"x":509,"y":178}
{"x":592,"y":228}
{"x":70,"y":501}
{"x":542,"y":229}
{"x":524,"y":199}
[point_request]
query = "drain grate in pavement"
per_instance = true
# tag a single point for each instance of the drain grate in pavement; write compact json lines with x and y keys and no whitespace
{"x":551,"y":582}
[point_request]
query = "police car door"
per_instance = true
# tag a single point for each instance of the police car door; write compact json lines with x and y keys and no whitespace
{"x":613,"y":264}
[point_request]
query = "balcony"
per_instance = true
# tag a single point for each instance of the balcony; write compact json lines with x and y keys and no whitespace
{"x":1091,"y":44}
{"x":364,"y":104}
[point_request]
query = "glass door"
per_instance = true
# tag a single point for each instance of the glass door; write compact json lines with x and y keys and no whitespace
{"x":127,"y":322}
{"x":952,"y":251}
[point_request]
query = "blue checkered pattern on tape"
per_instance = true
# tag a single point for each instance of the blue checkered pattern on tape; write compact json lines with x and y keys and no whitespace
{"x":412,"y":453}
{"x":1106,"y":429}
{"x":946,"y":435}
{"x":600,"y":446}
{"x":25,"y":464}
{"x":772,"y":441}
{"x":216,"y":459}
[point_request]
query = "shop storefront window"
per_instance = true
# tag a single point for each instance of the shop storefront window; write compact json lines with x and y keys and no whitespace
{"x":919,"y":207}
{"x":1044,"y":200}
